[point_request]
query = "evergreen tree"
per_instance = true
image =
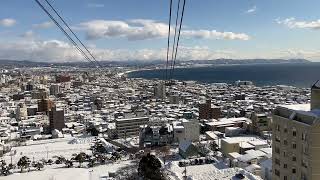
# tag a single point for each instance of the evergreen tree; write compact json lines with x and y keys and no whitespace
{"x":150,"y":168}
{"x":23,"y":163}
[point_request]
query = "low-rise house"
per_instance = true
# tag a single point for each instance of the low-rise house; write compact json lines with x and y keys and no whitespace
{"x":187,"y":149}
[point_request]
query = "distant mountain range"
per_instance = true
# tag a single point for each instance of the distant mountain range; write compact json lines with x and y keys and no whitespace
{"x":248,"y":61}
{"x":143,"y":63}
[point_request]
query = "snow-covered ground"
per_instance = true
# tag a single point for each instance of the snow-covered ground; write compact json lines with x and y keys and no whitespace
{"x":56,"y":173}
{"x":129,"y":142}
{"x":206,"y":172}
{"x":53,"y":147}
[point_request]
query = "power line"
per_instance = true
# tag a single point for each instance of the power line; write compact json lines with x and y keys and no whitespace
{"x":67,"y":35}
{"x":66,"y":24}
{"x":174,"y":39}
{"x":176,"y":51}
{"x":168,"y":45}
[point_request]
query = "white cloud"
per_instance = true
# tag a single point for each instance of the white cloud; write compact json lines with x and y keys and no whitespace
{"x":251,"y":10}
{"x":60,"y":51}
{"x":293,"y":23}
{"x":44,"y":25}
{"x":8,"y":22}
{"x":302,"y":54}
{"x":132,"y":30}
{"x":52,"y":50}
{"x":28,"y":34}
{"x":207,"y":34}
{"x":95,"y":5}
{"x":55,"y":50}
{"x":142,"y":29}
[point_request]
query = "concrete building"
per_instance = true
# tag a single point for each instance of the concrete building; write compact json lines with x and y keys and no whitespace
{"x":54,"y":89}
{"x":208,"y":111}
{"x":260,"y":122}
{"x":186,"y":130}
{"x":130,"y":127}
{"x":56,"y":119}
{"x":160,"y":91}
{"x":29,"y":87}
{"x":45,"y":105}
{"x":39,"y":94}
{"x":63,"y":78}
{"x":21,"y":112}
{"x":241,"y":144}
{"x":295,"y":138}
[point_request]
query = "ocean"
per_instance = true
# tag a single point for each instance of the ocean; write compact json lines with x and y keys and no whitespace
{"x":299,"y":75}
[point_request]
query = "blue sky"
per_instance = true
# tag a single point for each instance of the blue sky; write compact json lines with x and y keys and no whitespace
{"x":136,"y":29}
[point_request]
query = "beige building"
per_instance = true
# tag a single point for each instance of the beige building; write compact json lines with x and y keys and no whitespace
{"x":130,"y":127}
{"x":260,"y":122}
{"x":296,"y":141}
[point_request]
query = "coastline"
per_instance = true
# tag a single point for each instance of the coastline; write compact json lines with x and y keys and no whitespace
{"x":289,"y":74}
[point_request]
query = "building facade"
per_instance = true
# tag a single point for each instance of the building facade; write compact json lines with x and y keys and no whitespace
{"x":45,"y":105}
{"x":130,"y":127}
{"x":56,"y":119}
{"x":208,"y":111}
{"x":295,"y":142}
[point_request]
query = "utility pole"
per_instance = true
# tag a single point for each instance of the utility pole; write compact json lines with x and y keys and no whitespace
{"x":185,"y":171}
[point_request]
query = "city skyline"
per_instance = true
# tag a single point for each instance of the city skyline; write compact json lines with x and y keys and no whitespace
{"x":124,"y":30}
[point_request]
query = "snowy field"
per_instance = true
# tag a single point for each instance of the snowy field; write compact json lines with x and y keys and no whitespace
{"x":56,"y":173}
{"x":38,"y":150}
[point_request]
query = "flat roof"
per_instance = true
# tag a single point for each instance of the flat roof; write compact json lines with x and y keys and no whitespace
{"x":298,"y":107}
{"x":131,"y":119}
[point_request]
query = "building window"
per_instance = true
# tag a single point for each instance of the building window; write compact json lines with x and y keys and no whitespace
{"x":293,"y":170}
{"x":277,"y":150}
{"x":277,"y":172}
{"x":285,"y":166}
{"x":277,"y":161}
{"x":285,"y":142}
{"x":294,"y":158}
{"x":294,"y":145}
{"x":284,"y":153}
{"x":278,"y":138}
{"x":285,"y":178}
{"x":285,"y":129}
{"x":278,"y":127}
{"x":294,"y":132}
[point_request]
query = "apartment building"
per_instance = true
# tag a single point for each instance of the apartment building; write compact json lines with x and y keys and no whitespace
{"x":130,"y":127}
{"x":186,"y":130}
{"x":209,"y":111}
{"x":296,"y":144}
{"x":56,"y":119}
